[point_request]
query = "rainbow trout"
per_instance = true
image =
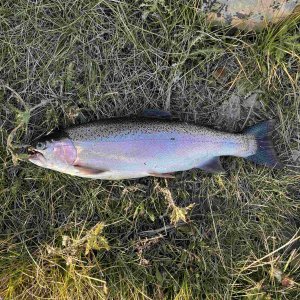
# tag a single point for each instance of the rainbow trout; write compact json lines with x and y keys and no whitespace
{"x":123,"y":148}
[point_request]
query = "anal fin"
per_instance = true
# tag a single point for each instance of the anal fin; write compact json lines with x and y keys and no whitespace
{"x":163,"y":175}
{"x":213,"y":165}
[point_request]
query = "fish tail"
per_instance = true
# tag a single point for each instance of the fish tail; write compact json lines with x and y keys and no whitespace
{"x":265,"y":153}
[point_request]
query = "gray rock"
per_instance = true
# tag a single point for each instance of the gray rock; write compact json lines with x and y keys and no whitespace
{"x":249,"y":14}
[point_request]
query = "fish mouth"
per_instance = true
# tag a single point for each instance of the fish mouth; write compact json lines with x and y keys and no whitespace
{"x":35,"y":155}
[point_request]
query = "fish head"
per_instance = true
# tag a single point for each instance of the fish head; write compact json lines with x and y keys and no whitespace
{"x":53,"y":153}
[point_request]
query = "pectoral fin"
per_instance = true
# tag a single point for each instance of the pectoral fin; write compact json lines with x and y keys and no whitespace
{"x":163,"y":175}
{"x":213,"y":166}
{"x":88,"y":171}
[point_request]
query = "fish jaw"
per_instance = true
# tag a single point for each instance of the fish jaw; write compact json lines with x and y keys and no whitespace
{"x":36,"y":158}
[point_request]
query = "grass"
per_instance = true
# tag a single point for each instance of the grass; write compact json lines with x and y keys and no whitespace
{"x":198,"y":236}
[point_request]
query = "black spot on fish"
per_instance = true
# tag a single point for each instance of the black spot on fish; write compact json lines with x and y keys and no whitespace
{"x":242,"y":16}
{"x":172,"y":139}
{"x":275,"y":6}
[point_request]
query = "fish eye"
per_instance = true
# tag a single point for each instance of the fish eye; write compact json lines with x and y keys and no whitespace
{"x":40,"y":146}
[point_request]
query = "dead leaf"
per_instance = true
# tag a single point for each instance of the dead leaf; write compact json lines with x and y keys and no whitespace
{"x":287,"y":282}
{"x":219,"y":73}
{"x":178,"y":214}
{"x":95,"y":241}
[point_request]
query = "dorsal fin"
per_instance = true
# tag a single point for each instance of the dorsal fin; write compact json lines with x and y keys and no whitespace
{"x":156,"y":113}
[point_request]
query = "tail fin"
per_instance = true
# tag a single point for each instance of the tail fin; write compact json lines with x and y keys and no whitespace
{"x":265,"y":153}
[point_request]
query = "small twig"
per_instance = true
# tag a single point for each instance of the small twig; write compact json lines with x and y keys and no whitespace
{"x":18,"y":97}
{"x":159,"y":230}
{"x":41,"y":104}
